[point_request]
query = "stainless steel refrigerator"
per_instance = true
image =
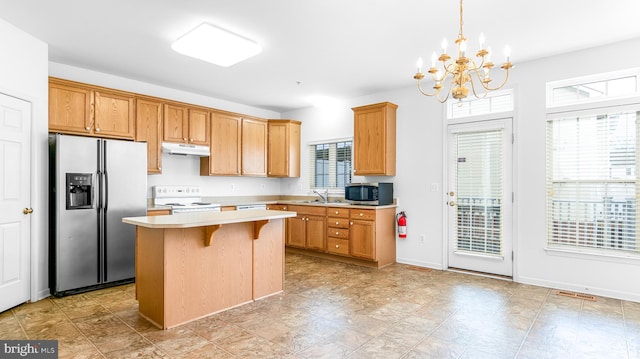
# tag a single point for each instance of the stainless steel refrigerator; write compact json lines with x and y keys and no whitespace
{"x":94,"y":183}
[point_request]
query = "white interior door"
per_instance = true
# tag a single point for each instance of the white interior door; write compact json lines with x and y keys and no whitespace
{"x":480,"y":196}
{"x":15,"y":182}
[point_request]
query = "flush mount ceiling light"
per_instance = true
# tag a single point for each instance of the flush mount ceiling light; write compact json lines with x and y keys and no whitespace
{"x":463,"y":70}
{"x":216,"y":45}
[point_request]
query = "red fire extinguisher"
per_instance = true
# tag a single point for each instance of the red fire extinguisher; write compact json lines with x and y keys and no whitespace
{"x":402,"y":224}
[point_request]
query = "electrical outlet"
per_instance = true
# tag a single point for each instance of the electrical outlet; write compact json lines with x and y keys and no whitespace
{"x":233,"y":186}
{"x":422,"y":239}
{"x":435,"y":187}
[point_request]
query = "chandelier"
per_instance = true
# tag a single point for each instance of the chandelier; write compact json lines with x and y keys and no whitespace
{"x":464,"y":72}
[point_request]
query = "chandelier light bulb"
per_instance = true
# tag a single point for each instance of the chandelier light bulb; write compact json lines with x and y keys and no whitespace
{"x":463,"y":48}
{"x":481,"y":40}
{"x":434,"y":57}
{"x":444,"y":45}
{"x":488,"y":57}
{"x":419,"y":64}
{"x":507,"y":53}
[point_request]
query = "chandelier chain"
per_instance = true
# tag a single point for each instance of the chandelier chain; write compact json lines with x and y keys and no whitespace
{"x":461,"y":23}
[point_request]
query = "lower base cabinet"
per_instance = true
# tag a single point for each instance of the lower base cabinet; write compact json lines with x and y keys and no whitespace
{"x":361,"y":235}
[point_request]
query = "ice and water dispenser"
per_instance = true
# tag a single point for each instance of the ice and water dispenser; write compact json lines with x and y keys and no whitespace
{"x":79,"y":190}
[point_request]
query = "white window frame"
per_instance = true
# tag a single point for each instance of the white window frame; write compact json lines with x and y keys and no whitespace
{"x":586,"y":107}
{"x":332,"y":188}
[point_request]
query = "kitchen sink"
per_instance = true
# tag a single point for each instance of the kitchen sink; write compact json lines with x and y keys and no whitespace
{"x":323,"y":203}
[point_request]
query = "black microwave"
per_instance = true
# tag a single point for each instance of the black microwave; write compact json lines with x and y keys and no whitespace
{"x":375,"y":194}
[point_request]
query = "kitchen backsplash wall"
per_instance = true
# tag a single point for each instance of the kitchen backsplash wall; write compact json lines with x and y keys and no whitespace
{"x":185,"y":170}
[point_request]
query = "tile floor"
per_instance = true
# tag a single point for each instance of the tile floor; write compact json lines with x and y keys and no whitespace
{"x":333,"y":310}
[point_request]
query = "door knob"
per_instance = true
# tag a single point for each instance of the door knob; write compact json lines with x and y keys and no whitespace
{"x":451,"y":194}
{"x":452,"y":204}
{"x":27,"y":210}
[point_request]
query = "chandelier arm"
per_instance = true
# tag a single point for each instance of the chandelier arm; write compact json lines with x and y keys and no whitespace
{"x":506,"y":77}
{"x":424,"y":93}
{"x":473,"y":87}
{"x":448,"y":94}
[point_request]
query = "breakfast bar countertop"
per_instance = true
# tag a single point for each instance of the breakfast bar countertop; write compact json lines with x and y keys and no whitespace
{"x":208,"y":218}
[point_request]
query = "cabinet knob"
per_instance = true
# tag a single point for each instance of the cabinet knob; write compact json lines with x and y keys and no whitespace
{"x":184,"y":139}
{"x":285,"y":208}
{"x":337,"y":233}
{"x":97,"y":129}
{"x":336,"y":212}
{"x":337,"y":246}
{"x":351,"y":223}
{"x":191,"y":139}
{"x":337,"y":222}
{"x":87,"y":128}
{"x":361,"y":214}
{"x":307,"y":219}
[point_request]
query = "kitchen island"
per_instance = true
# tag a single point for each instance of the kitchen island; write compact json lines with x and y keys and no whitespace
{"x":191,"y":265}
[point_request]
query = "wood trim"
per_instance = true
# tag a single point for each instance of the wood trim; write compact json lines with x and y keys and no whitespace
{"x":257,"y":226}
{"x":209,"y":232}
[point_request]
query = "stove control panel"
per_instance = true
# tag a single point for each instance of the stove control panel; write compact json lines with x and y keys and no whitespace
{"x":176,"y":191}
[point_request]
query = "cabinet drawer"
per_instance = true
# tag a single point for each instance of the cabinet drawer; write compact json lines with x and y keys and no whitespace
{"x":368,"y":214}
{"x":309,"y":210}
{"x":338,"y":222}
{"x":338,"y":232}
{"x":337,"y":246}
{"x":338,"y":212}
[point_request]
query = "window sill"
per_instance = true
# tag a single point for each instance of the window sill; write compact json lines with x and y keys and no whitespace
{"x":594,"y":254}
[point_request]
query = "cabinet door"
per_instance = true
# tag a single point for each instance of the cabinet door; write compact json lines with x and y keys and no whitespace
{"x":254,"y":147}
{"x":226,"y":132}
{"x":176,"y":126}
{"x":70,"y":109}
{"x":277,"y":161}
{"x":369,"y":145}
{"x":316,"y":232}
{"x":149,"y":130}
{"x":283,"y":153}
{"x":199,"y":125}
{"x":296,"y":228}
{"x":361,"y":239}
{"x":114,"y":115}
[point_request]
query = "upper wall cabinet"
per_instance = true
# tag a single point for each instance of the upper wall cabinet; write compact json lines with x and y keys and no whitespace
{"x":186,"y":125}
{"x":91,"y":111}
{"x":149,"y":130}
{"x":254,"y":147}
{"x":283,"y":153}
{"x":374,"y":140}
{"x":226,"y":136}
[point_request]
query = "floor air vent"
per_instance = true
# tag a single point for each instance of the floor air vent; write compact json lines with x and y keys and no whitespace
{"x":576,"y":295}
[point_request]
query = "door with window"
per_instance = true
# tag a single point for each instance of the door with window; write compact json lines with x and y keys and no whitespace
{"x":479,"y":198}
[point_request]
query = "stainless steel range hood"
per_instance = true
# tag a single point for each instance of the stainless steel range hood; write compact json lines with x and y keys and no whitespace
{"x":185,"y":149}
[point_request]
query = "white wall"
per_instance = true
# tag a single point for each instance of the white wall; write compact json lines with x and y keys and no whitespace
{"x":23,"y":74}
{"x":420,"y":135}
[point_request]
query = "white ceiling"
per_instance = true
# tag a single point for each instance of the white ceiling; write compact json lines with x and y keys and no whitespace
{"x":338,"y":48}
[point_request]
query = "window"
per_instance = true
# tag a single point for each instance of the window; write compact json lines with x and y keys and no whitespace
{"x":330,"y":164}
{"x":494,"y":102}
{"x":590,"y":89}
{"x":592,"y":180}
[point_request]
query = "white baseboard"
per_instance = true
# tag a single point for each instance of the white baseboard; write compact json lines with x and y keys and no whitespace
{"x":412,"y":262}
{"x":603,"y":292}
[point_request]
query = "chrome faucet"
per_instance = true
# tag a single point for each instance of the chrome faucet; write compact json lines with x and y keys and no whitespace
{"x":325,"y":197}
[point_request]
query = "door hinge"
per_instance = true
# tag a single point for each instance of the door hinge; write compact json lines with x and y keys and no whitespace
{"x":512,"y":256}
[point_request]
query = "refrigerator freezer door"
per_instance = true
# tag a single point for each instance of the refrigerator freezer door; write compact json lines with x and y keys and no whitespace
{"x":125,"y":196}
{"x":76,"y":249}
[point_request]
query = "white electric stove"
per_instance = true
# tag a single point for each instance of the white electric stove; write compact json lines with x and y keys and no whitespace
{"x":182,"y":199}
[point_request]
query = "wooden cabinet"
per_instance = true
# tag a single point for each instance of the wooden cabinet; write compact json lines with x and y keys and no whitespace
{"x":226,"y":137}
{"x":254,"y":147}
{"x":338,"y":230}
{"x":362,"y":234}
{"x":308,"y":228}
{"x":90,"y":111}
{"x":374,"y":140}
{"x":283,"y":148}
{"x":277,"y":207}
{"x":149,"y":130}
{"x":159,"y":212}
{"x":186,"y":125}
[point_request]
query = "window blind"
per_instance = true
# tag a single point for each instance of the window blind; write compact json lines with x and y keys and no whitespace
{"x":330,"y":165}
{"x":479,"y":174}
{"x":592,"y":180}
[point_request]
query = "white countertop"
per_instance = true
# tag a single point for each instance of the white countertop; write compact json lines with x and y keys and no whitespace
{"x":207,"y":218}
